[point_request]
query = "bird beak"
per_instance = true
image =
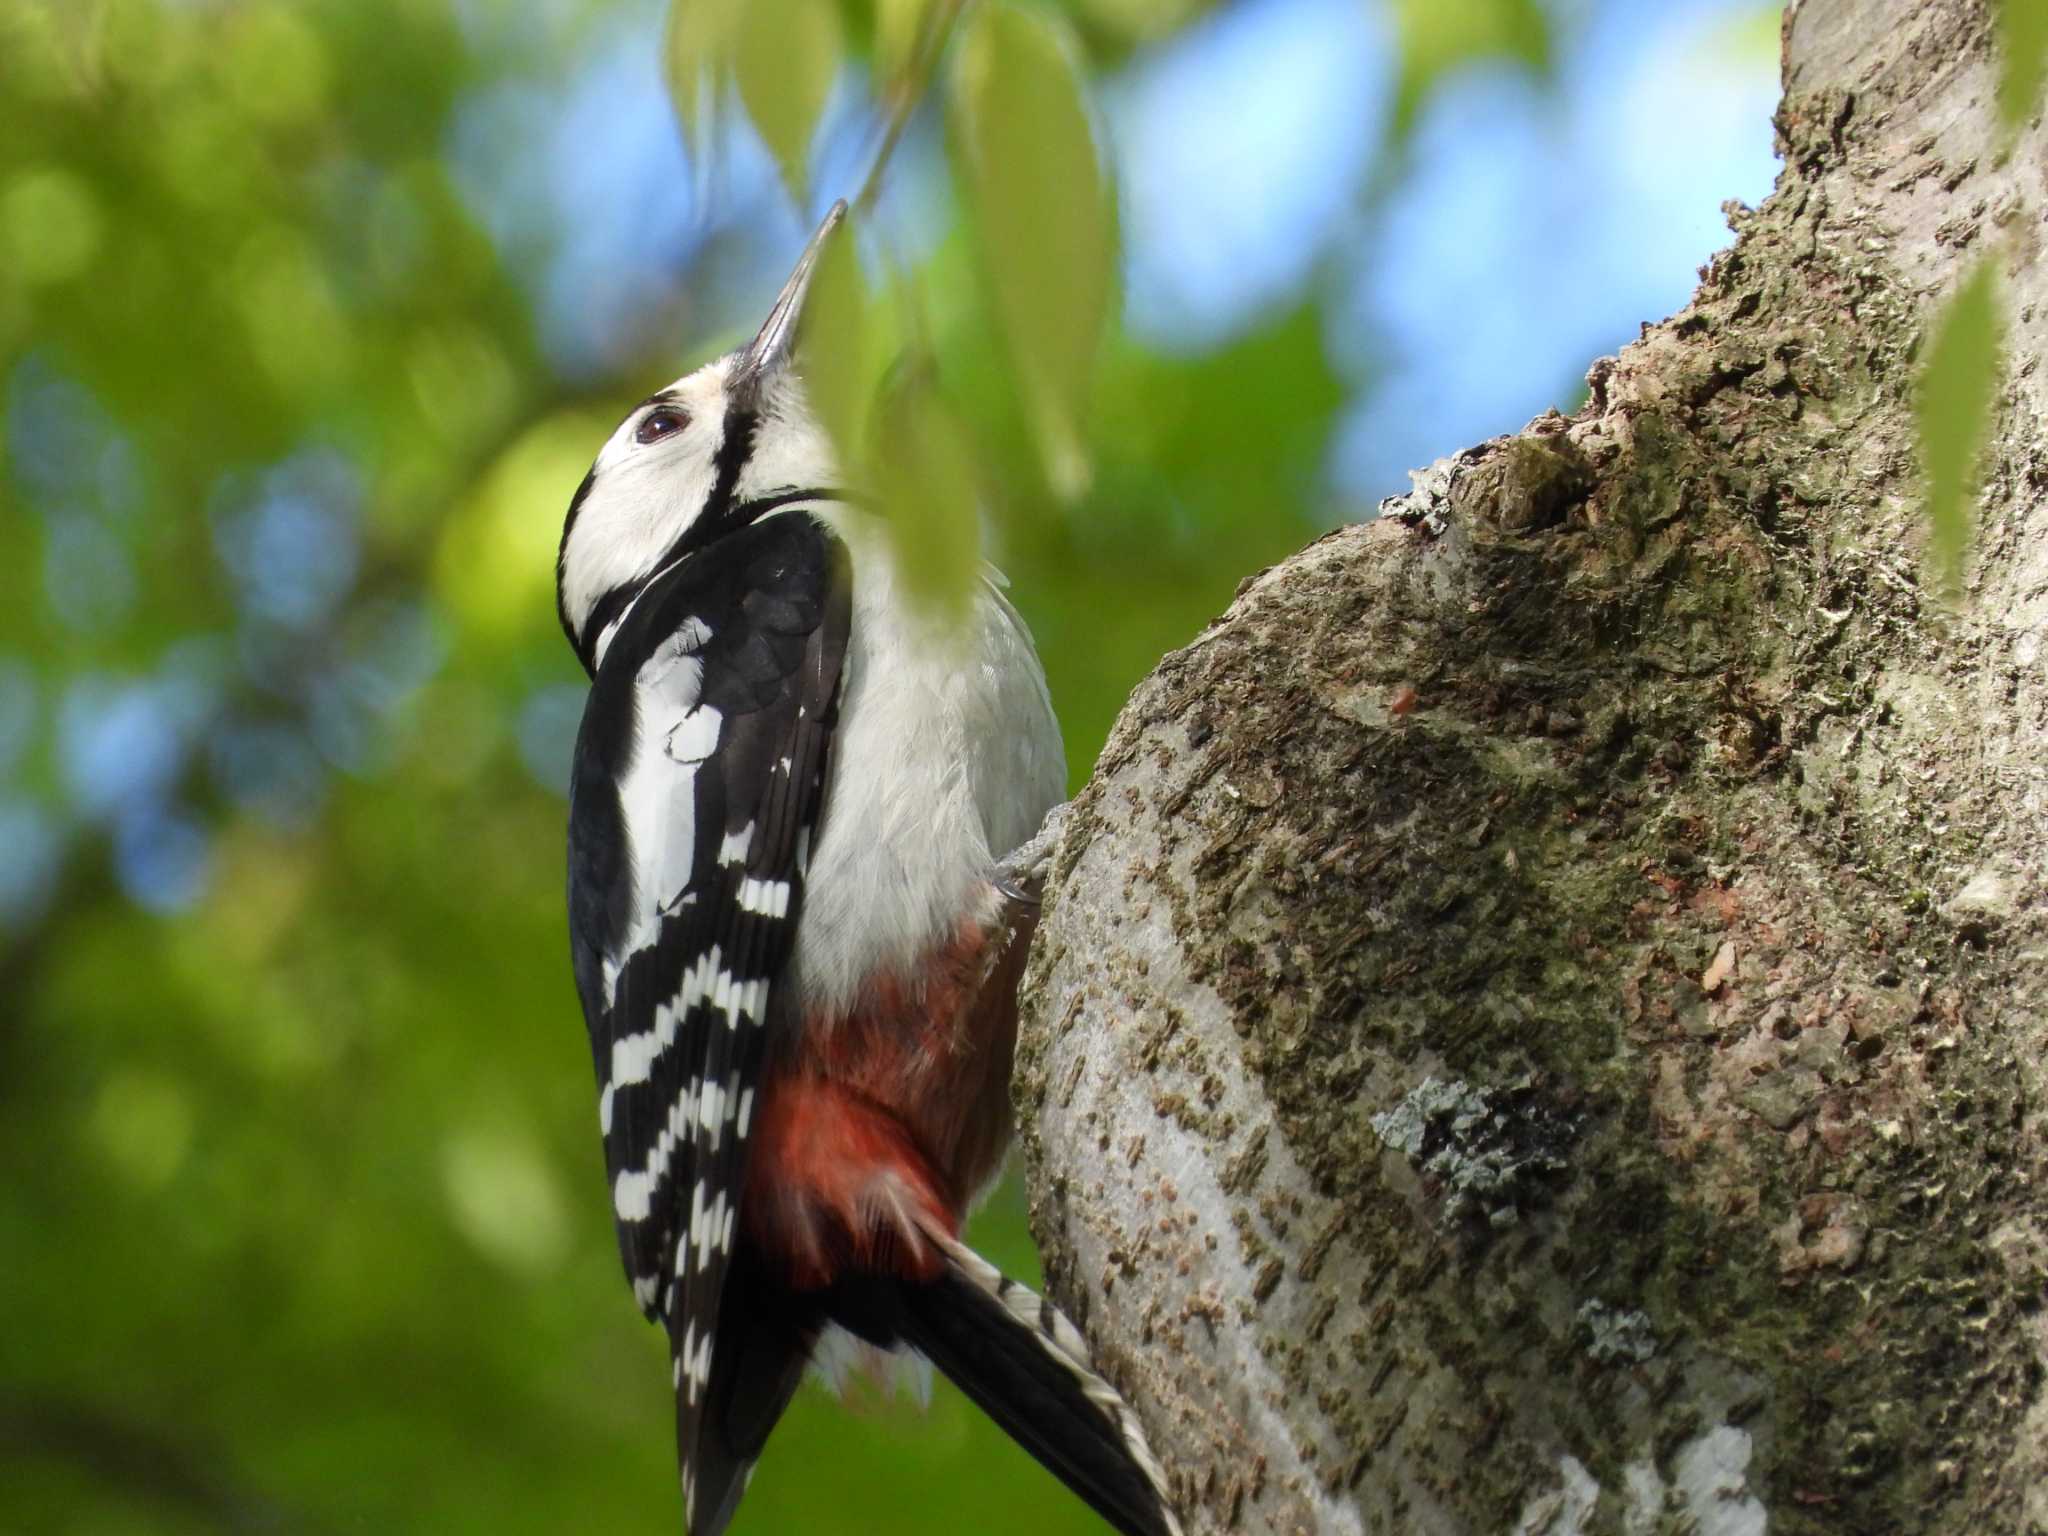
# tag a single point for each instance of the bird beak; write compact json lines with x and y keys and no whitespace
{"x":769,"y":349}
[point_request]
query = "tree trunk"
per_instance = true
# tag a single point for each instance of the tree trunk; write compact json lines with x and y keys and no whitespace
{"x":1539,"y":1021}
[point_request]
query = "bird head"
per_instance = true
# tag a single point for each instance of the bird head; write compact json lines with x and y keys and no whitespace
{"x":691,"y":464}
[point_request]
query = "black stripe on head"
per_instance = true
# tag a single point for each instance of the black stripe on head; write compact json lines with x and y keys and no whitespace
{"x":742,"y":423}
{"x":724,"y":515}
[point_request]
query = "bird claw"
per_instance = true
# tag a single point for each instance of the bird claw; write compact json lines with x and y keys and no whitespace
{"x":1020,"y":874}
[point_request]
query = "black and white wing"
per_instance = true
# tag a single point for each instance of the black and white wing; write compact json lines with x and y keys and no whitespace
{"x":698,"y":780}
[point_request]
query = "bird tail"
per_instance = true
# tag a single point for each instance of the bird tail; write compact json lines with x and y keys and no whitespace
{"x":764,"y":1337}
{"x":1027,"y":1367}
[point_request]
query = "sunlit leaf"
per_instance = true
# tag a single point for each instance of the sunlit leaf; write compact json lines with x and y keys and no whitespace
{"x":1956,"y":389}
{"x":930,"y":494}
{"x":833,"y":353}
{"x":1437,"y":37}
{"x":697,"y":53}
{"x":495,"y":564}
{"x":1047,"y":228}
{"x":2023,"y":47}
{"x":785,"y":61}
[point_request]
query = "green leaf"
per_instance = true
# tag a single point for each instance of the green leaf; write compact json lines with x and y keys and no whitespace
{"x":1957,"y":386}
{"x":698,"y":53}
{"x":1438,"y":37}
{"x":2023,"y":45}
{"x":834,"y":355}
{"x":785,"y":62}
{"x":1047,"y":227}
{"x":930,"y":494}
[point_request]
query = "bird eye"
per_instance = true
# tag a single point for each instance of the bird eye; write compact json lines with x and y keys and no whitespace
{"x":659,"y":423}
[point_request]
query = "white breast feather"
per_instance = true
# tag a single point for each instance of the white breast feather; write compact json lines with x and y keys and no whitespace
{"x":947,"y":756}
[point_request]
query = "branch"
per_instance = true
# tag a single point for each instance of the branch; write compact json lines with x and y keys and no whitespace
{"x":935,"y":29}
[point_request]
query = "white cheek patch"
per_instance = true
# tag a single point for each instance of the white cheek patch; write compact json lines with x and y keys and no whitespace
{"x":642,"y":499}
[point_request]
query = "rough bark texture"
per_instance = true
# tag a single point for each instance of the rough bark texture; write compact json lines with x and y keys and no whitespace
{"x":1539,"y":1023}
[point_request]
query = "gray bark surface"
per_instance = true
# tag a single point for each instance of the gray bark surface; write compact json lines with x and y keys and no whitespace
{"x":1538,"y":1023}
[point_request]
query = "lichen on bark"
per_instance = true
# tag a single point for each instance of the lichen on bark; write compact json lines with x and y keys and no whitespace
{"x":1536,"y":1024}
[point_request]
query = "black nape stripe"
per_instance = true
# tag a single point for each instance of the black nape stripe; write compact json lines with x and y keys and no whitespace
{"x":722,"y":515}
{"x":742,"y":425}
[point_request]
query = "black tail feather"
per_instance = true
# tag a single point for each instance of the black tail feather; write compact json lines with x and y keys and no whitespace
{"x":1027,"y":1367}
{"x":764,"y":1338}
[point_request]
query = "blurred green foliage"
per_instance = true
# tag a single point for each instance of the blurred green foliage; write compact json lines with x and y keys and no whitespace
{"x":303,"y":1227}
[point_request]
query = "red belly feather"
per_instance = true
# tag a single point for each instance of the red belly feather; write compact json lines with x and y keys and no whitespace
{"x":872,"y":1136}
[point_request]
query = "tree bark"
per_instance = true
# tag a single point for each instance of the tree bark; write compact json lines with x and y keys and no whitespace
{"x":1538,"y":1023}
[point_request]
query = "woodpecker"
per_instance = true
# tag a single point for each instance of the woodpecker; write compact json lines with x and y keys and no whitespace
{"x":806,"y":836}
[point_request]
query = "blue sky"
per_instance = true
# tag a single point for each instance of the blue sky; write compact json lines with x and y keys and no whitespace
{"x":1533,"y":229}
{"x":1537,"y":231}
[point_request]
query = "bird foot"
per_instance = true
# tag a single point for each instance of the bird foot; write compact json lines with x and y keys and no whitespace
{"x":1020,"y":874}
